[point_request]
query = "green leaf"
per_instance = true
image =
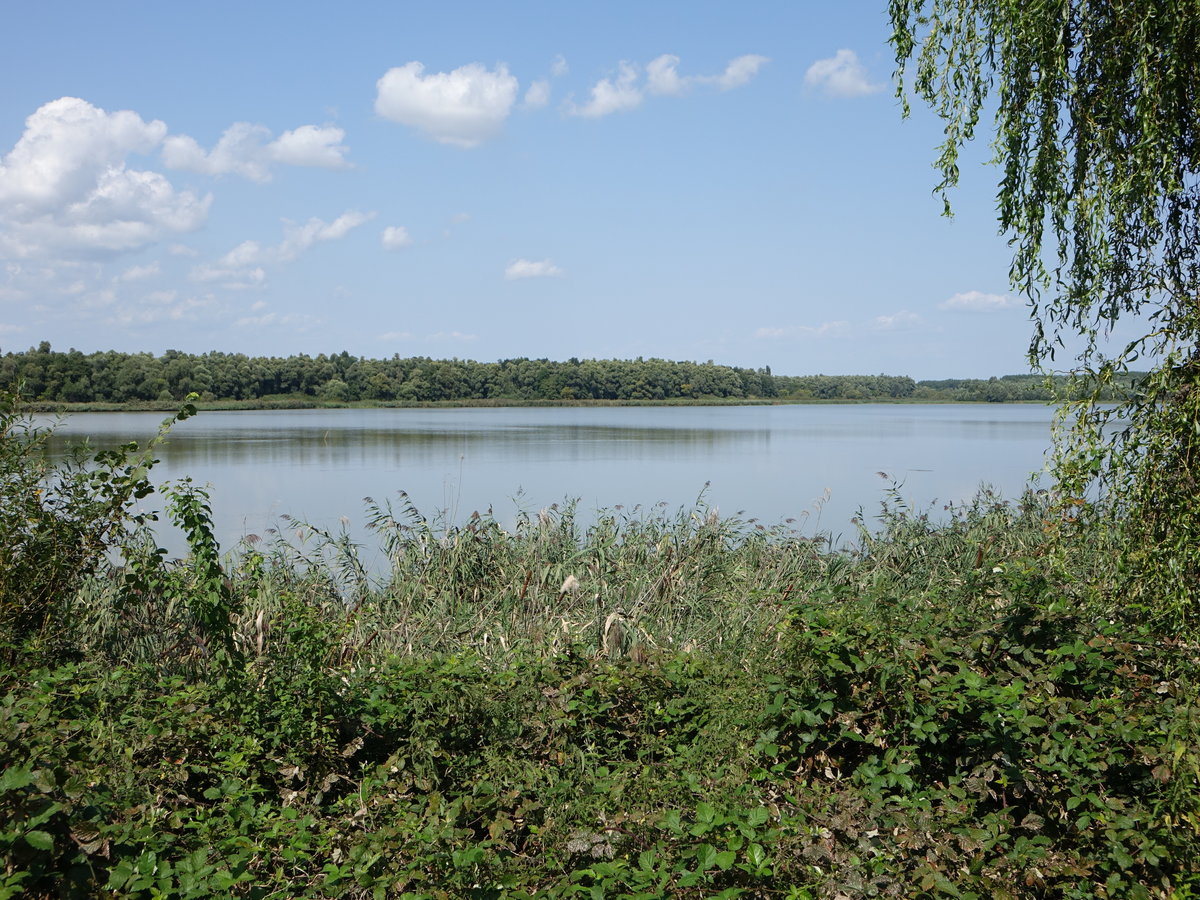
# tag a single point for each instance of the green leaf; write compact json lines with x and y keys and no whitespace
{"x":15,"y":778}
{"x":758,"y":816}
{"x":39,"y":840}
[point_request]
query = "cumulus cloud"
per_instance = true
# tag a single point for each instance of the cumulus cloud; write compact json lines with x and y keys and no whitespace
{"x":247,"y":150}
{"x":242,"y":267}
{"x":464,"y":107}
{"x":841,"y":75}
{"x":68,"y":144}
{"x":65,"y":188}
{"x":525,"y":268}
{"x":738,"y":72}
{"x":538,"y":95}
{"x":662,"y":75}
{"x":396,"y":237}
{"x":559,"y":67}
{"x":663,"y":79}
{"x":978,"y":301}
{"x":298,"y":238}
{"x":610,"y":95}
{"x":311,"y":145}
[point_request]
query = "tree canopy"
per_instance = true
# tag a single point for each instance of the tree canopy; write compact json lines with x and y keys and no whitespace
{"x":48,"y":377}
{"x":1097,"y":142}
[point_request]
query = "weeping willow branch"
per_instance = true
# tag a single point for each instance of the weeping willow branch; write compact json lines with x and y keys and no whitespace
{"x":1097,"y":139}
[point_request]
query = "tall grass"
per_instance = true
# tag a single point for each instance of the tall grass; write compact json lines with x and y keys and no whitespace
{"x":629,"y":582}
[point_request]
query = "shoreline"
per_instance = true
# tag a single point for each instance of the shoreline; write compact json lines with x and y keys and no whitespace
{"x":285,"y":403}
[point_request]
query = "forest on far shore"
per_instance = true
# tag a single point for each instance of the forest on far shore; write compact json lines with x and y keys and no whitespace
{"x":41,"y":374}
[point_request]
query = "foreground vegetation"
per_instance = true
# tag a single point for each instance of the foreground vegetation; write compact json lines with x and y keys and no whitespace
{"x":110,"y":378}
{"x":651,"y":704}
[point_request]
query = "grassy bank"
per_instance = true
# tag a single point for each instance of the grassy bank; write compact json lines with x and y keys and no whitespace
{"x":658,"y":704}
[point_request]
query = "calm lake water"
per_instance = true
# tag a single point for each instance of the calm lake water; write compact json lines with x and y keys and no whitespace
{"x":815,"y":464}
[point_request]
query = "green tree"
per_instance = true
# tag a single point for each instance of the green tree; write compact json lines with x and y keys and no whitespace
{"x":1097,"y":140}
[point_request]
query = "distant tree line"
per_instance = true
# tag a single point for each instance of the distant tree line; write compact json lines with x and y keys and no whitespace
{"x":46,"y":375}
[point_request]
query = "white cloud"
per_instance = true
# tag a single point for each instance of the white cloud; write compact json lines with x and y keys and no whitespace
{"x":241,"y":151}
{"x":247,"y":150}
{"x":739,"y":71}
{"x":396,"y":237}
{"x":160,"y":306}
{"x":464,"y":107}
{"x":623,"y":92}
{"x":397,"y":336}
{"x":6,"y":328}
{"x":839,"y":328}
{"x":298,"y":238}
{"x":65,"y":188}
{"x":610,"y":96}
{"x":841,"y":75}
{"x":662,"y":76}
{"x":559,"y":67}
{"x":138,"y":273}
{"x":525,"y":268}
{"x":900,"y":321}
{"x":977,"y":301}
{"x":242,"y":267}
{"x":68,"y":144}
{"x":769,"y":331}
{"x":452,"y":336}
{"x":311,"y":145}
{"x":538,"y":95}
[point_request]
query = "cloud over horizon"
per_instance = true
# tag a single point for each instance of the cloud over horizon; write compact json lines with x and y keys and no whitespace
{"x":834,"y":329}
{"x":65,"y":188}
{"x":978,"y":301}
{"x":242,"y":267}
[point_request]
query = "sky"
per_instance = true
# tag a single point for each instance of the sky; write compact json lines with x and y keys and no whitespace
{"x":682,"y":180}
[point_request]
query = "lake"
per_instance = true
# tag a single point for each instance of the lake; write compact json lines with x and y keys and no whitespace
{"x":816,"y":464}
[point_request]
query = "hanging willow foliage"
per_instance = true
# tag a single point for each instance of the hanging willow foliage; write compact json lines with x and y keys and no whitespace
{"x":1097,"y":137}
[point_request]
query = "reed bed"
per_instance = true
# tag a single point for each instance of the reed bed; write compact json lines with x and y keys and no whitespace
{"x":628,"y":583}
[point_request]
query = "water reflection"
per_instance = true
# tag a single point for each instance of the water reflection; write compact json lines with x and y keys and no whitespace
{"x":772,"y":462}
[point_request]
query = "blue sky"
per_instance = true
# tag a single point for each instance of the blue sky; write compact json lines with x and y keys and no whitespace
{"x":683,"y":180}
